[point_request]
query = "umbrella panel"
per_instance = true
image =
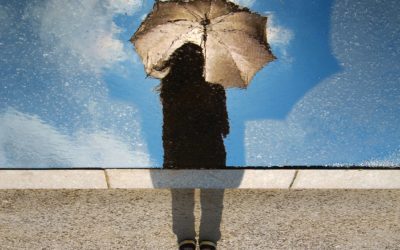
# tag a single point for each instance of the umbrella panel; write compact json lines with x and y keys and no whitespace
{"x":233,"y":39}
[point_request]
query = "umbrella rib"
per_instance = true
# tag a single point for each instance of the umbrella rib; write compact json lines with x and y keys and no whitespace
{"x":204,"y":37}
{"x":204,"y":40}
{"x":177,"y":21}
{"x":198,"y":18}
{"x":209,"y":9}
{"x":223,"y":18}
{"x":245,"y":32}
{"x":181,"y":23}
{"x":230,"y":54}
{"x":174,"y":22}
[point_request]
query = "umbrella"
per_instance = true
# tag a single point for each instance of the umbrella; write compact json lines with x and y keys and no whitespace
{"x":233,"y":39}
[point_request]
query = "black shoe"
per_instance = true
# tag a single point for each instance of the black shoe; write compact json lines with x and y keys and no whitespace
{"x":208,"y":245}
{"x":187,"y":245}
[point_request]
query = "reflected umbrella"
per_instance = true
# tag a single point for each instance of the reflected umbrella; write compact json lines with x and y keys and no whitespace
{"x":233,"y":39}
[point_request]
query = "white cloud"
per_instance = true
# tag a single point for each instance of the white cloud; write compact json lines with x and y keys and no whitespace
{"x":86,"y":30}
{"x":279,"y":37}
{"x":392,"y":160}
{"x":67,"y":44}
{"x":27,"y":141}
{"x":128,"y":7}
{"x":281,"y":136}
{"x":352,"y":117}
{"x":246,"y":3}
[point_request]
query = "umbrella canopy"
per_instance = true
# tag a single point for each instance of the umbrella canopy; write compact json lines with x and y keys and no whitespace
{"x":233,"y":39}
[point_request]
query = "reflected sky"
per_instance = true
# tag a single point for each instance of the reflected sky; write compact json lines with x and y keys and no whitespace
{"x":73,"y":93}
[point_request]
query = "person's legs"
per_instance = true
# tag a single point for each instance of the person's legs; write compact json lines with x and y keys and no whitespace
{"x":183,"y":214}
{"x":211,"y":214}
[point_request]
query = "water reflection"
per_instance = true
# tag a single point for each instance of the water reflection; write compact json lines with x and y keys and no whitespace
{"x":61,"y":84}
{"x":194,"y":113}
{"x":55,"y":108}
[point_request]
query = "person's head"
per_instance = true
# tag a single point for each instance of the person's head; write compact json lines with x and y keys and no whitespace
{"x":187,"y":61}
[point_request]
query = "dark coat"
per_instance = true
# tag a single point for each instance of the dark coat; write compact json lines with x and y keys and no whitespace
{"x":195,"y":115}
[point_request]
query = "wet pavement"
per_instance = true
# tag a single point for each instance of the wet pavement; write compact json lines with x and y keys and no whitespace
{"x":251,"y":219}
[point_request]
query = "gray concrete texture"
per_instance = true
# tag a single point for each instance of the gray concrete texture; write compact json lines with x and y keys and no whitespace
{"x":251,"y":219}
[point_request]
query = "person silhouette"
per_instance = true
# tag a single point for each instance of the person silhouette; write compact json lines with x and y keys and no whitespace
{"x":194,"y":113}
{"x":195,"y":121}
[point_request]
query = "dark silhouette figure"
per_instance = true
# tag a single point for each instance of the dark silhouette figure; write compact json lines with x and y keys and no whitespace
{"x":194,"y":111}
{"x":195,"y":123}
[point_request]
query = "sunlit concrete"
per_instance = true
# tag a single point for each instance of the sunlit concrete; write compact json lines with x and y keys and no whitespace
{"x":251,"y":219}
{"x":347,"y":179}
{"x":206,"y":179}
{"x":52,"y":179}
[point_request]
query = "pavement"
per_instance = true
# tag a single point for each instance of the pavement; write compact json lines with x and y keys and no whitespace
{"x":251,"y":219}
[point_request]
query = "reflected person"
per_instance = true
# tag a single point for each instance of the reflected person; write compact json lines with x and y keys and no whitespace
{"x":195,"y":121}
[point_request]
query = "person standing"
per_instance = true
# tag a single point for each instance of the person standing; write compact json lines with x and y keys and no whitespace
{"x":195,"y":121}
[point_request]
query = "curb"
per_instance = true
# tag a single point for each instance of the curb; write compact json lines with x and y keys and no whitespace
{"x":200,"y":179}
{"x":52,"y":179}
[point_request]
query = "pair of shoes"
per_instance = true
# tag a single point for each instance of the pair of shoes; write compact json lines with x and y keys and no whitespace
{"x":187,"y":245}
{"x":208,"y":245}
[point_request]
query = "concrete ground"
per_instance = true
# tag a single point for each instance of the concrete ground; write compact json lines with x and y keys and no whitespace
{"x":251,"y":219}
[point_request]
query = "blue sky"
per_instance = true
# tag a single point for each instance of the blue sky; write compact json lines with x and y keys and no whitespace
{"x":74,"y":94}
